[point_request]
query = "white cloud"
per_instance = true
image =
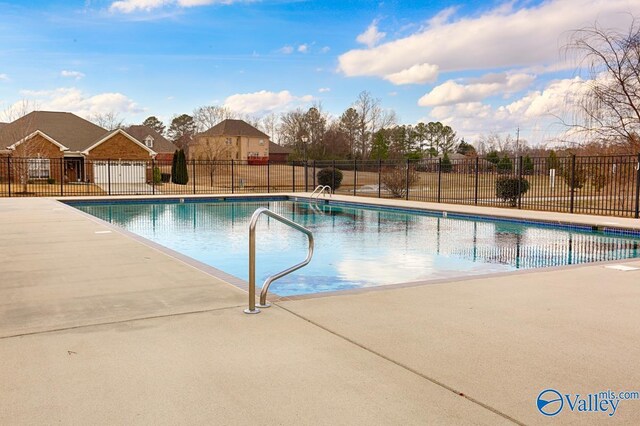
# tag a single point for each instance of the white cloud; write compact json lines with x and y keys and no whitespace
{"x":324,"y":90}
{"x":452,"y":92}
{"x":264,"y":101}
{"x":74,"y":100}
{"x":130,"y":6}
{"x":371,"y":36}
{"x":287,"y":50}
{"x":4,"y":77}
{"x":72,"y":74}
{"x":325,"y":49}
{"x":303,"y":48}
{"x":422,"y":73}
{"x":503,"y":37}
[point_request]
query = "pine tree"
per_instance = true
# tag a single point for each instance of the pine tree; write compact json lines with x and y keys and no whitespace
{"x":174,"y":162}
{"x":182,"y":175}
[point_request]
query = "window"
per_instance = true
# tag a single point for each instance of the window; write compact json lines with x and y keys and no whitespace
{"x":228,"y":141}
{"x":148,"y":141}
{"x":39,"y":168}
{"x":261,"y":142}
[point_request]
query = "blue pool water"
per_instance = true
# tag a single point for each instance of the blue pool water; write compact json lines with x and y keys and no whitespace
{"x":357,"y":247}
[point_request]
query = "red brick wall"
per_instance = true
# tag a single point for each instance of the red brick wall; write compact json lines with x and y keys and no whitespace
{"x":117,"y":147}
{"x":36,"y":147}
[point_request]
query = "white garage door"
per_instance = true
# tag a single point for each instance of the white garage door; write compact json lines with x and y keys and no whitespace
{"x":119,"y":172}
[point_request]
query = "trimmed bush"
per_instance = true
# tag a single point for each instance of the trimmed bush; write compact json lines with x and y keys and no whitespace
{"x":51,"y":181}
{"x":181,"y":175}
{"x":511,"y":189}
{"x":331,"y":177}
{"x":445,"y":164}
{"x":174,"y":161}
{"x":157,"y":176}
{"x":165,"y":177}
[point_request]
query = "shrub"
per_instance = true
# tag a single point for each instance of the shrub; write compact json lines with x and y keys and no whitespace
{"x":157,"y":176}
{"x":445,"y":164}
{"x":51,"y":181}
{"x":511,"y":189}
{"x":181,"y":175}
{"x":395,"y":180}
{"x":599,"y":181}
{"x":527,"y":165}
{"x":165,"y":177}
{"x":579,"y":176}
{"x":505,"y":165}
{"x":330,"y":177}
{"x":174,"y":161}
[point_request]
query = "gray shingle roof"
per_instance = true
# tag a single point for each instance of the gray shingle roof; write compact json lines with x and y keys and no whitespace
{"x":274,"y":148}
{"x":231,"y":127}
{"x":160,"y":143}
{"x":67,"y":129}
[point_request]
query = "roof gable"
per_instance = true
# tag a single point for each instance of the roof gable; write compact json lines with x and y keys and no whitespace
{"x":160,"y":143}
{"x":115,"y":132}
{"x":38,"y":132}
{"x":67,"y":129}
{"x":231,"y":127}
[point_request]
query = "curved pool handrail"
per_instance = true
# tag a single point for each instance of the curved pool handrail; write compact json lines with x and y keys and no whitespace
{"x":252,"y":258}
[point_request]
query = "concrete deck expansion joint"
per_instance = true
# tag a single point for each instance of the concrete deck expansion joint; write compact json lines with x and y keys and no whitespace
{"x":100,"y":328}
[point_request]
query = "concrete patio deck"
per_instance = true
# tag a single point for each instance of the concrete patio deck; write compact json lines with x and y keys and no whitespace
{"x":100,"y":328}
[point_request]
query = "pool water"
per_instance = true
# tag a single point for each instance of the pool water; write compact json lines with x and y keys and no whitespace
{"x":357,"y":247}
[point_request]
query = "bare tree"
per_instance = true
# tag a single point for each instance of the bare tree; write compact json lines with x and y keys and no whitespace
{"x":30,"y":153}
{"x":205,"y":117}
{"x":109,"y":120}
{"x":372,"y":118}
{"x":212,"y":153}
{"x":610,"y":107}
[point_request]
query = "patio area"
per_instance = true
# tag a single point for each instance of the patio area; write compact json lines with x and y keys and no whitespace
{"x":97,"y":327}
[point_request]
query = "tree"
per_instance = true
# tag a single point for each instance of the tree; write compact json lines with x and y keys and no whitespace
{"x":505,"y":165}
{"x":181,"y":174}
{"x":552,"y":161}
{"x":109,"y":120}
{"x":349,"y":125}
{"x":493,"y":157}
{"x":380,"y":147}
{"x":316,"y":125}
{"x":292,"y":130}
{"x":182,"y":130}
{"x":466,"y":149}
{"x":205,"y":117}
{"x":445,"y":164}
{"x":154,"y":123}
{"x":610,"y":107}
{"x":371,"y":118}
{"x":527,"y":165}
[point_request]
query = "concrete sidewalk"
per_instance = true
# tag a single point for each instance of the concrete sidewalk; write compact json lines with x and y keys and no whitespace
{"x":98,"y":328}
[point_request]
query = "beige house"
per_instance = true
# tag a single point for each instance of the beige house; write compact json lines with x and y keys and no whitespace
{"x":231,"y":140}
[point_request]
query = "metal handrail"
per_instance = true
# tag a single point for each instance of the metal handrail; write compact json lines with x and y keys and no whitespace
{"x":252,"y":259}
{"x":321,"y":191}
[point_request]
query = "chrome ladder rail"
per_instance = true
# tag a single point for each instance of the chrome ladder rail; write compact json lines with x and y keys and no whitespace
{"x":321,"y":191}
{"x":252,"y":259}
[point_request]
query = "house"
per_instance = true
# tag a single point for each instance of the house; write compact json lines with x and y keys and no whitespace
{"x":153,"y":140}
{"x":63,"y":146}
{"x":231,"y":140}
{"x":278,"y":153}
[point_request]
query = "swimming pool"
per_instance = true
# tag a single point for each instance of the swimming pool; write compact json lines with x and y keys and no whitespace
{"x":356,"y":246}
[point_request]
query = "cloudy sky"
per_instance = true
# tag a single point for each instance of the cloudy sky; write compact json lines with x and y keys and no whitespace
{"x":479,"y":66}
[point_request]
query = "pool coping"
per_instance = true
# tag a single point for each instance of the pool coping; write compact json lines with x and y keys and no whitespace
{"x":390,"y":204}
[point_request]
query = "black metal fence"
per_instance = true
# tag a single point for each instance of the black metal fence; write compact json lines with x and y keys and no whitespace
{"x":603,"y":185}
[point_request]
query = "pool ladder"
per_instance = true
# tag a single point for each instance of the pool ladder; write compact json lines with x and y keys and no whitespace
{"x":252,"y":259}
{"x":321,"y":190}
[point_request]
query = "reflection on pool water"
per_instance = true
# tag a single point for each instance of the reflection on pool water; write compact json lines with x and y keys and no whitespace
{"x":357,"y":247}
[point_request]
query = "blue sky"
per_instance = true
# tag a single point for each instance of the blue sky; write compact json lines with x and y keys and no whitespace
{"x":478,"y":66}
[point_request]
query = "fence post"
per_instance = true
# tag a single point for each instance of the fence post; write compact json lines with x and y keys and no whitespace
{"x":232,"y":178}
{"x":333,"y":176}
{"x":293,"y":173}
{"x":153,"y":176}
{"x":108,"y":176}
{"x":314,"y":174}
{"x":193,"y":172}
{"x":406,"y":194}
{"x":306,"y":175}
{"x":379,"y":177}
{"x":439,"y":177}
{"x":476,"y":189}
{"x":61,"y":177}
{"x":268,"y":177}
{"x":9,"y":173}
{"x":572,"y":182}
{"x":638,"y":188}
{"x":355,"y":176}
{"x":520,"y":163}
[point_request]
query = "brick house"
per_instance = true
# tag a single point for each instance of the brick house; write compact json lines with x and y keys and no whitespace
{"x":278,"y":153}
{"x":231,"y":140}
{"x":154,"y":140}
{"x":63,"y":146}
